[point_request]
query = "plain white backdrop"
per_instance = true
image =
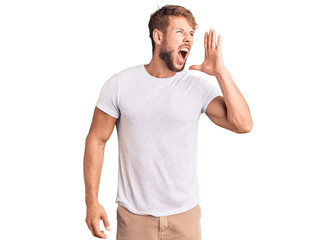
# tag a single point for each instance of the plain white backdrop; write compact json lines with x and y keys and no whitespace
{"x":276,"y":182}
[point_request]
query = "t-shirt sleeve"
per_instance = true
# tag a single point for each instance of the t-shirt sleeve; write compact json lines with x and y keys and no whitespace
{"x":208,"y":92}
{"x":108,"y":98}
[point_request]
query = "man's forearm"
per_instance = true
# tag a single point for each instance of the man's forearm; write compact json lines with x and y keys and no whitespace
{"x":93,"y":162}
{"x":238,"y":111}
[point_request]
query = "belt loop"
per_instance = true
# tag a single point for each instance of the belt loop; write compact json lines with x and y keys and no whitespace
{"x":163,"y":223}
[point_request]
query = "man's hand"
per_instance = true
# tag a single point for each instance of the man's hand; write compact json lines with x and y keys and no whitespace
{"x":213,"y":62}
{"x":94,"y":213}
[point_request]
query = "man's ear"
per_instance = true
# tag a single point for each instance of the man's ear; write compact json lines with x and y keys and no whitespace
{"x":157,"y":36}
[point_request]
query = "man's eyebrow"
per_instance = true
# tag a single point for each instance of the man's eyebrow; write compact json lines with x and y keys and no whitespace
{"x":183,"y":30}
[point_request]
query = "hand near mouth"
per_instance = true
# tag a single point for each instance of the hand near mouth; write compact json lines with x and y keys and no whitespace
{"x":213,"y":62}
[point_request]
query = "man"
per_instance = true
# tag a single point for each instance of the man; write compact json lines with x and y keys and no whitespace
{"x":156,"y":108}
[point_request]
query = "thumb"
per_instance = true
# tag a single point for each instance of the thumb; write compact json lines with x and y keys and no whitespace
{"x":195,"y":67}
{"x":106,"y":222}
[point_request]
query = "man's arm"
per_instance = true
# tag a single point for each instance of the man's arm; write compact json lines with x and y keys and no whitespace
{"x":100,"y":131}
{"x":230,"y":110}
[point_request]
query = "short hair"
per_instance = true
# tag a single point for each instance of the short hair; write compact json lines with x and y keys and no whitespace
{"x":160,"y":19}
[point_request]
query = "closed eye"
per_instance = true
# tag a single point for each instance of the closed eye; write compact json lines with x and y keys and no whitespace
{"x":191,"y":34}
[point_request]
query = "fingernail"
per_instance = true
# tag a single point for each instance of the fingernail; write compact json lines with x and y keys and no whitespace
{"x":108,"y":228}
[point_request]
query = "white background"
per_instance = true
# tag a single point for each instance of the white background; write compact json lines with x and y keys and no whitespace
{"x":276,"y":182}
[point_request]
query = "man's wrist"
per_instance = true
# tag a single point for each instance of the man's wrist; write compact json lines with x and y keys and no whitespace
{"x":224,"y":73}
{"x":91,"y":200}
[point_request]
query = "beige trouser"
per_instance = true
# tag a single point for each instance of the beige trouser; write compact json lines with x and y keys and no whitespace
{"x":181,"y":226}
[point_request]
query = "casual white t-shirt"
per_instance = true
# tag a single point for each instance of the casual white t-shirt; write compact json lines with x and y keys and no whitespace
{"x":157,"y":138}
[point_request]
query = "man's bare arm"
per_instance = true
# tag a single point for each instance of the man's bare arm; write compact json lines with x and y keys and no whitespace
{"x":100,"y":131}
{"x":229,"y":111}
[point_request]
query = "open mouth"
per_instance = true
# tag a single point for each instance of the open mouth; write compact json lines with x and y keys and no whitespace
{"x":183,"y":54}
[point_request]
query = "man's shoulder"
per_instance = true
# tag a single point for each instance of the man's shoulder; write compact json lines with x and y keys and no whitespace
{"x":129,"y":71}
{"x":190,"y":76}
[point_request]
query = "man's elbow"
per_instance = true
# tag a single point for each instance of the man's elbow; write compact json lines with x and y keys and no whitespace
{"x":93,"y":140}
{"x":245,"y":128}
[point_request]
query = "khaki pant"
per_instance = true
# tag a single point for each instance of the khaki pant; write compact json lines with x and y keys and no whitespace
{"x":181,"y":226}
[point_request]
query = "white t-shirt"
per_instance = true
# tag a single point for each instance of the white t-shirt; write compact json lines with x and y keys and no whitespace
{"x":157,"y":138}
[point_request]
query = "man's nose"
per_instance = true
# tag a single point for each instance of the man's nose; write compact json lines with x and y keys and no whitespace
{"x":188,"y":38}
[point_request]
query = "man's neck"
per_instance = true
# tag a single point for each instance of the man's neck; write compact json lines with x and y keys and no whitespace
{"x":157,"y":68}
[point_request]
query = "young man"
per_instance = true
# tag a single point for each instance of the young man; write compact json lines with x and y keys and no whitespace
{"x":156,"y":108}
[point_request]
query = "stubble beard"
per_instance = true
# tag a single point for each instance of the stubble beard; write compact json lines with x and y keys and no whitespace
{"x":167,"y":57}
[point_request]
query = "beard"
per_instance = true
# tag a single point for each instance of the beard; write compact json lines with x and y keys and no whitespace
{"x":167,"y":57}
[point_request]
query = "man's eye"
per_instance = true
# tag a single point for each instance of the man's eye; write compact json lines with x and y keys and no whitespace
{"x":191,"y":34}
{"x":179,"y":31}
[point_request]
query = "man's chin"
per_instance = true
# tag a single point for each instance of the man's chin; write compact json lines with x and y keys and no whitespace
{"x":180,"y":67}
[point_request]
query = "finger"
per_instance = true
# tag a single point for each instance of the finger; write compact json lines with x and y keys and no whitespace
{"x":195,"y":67}
{"x":91,"y":229}
{"x":206,"y":41}
{"x":209,"y":39}
{"x":219,"y":47}
{"x":106,"y":222}
{"x":213,"y":40}
{"x":97,"y":231}
{"x":206,"y":44}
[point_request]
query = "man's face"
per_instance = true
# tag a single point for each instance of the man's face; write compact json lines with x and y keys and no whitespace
{"x":176,"y":43}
